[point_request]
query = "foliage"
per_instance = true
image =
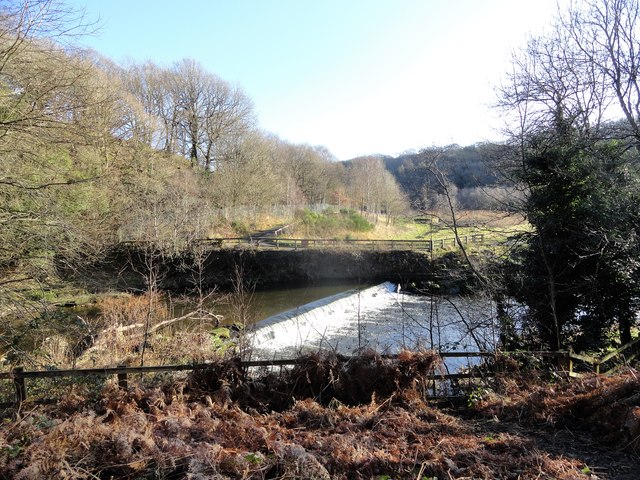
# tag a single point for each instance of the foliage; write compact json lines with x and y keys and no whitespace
{"x":125,"y":322}
{"x":93,"y":153}
{"x":582,"y":207}
{"x":607,"y":405}
{"x":578,"y":272}
{"x":328,"y":224}
{"x":373,"y":190}
{"x":471,"y":169}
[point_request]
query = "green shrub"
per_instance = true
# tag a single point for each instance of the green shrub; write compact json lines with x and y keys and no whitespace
{"x":331,"y":223}
{"x":358,"y":223}
{"x":240,"y":227}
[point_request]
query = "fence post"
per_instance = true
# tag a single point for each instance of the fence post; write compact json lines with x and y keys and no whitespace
{"x":565,"y":362}
{"x":570,"y":363}
{"x":20,"y":385}
{"x":122,"y":379}
{"x":498,"y":363}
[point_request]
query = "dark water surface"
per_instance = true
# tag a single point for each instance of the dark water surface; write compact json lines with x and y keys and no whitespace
{"x":261,"y":304}
{"x":266,"y":303}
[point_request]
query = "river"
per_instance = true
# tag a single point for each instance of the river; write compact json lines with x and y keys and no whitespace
{"x":381,"y":317}
{"x":345,"y":317}
{"x":265,"y":303}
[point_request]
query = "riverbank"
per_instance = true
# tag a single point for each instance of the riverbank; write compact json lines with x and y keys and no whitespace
{"x":327,"y":419}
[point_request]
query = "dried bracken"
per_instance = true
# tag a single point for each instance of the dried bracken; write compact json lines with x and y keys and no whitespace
{"x":219,"y":425}
{"x":606,"y":405}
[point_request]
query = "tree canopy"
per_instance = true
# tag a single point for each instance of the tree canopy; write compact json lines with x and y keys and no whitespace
{"x":578,"y":272}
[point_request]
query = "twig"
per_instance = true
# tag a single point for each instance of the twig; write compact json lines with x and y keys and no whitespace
{"x":421,"y":471}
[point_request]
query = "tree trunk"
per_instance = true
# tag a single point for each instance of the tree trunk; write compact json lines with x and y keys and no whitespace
{"x":624,"y":325}
{"x":194,"y":154}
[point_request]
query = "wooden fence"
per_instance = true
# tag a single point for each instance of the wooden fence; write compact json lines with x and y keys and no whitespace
{"x":319,"y":243}
{"x":575,"y":366}
{"x":607,"y":364}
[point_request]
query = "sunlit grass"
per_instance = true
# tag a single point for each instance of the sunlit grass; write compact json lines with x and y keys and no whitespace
{"x":496,"y":227}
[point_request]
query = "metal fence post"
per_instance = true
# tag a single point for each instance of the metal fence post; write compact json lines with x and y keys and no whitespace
{"x":20,"y":386}
{"x":122,"y":379}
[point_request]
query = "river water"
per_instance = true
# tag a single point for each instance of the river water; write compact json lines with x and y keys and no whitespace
{"x":346,"y":317}
{"x":265,"y":303}
{"x":380,"y":317}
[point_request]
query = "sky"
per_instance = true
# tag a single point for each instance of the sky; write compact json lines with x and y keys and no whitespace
{"x":359,"y":77}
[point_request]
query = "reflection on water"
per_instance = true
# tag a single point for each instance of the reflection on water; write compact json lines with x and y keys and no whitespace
{"x":268,"y":302}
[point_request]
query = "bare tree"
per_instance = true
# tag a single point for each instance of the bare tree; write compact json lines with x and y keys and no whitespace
{"x":604,"y":33}
{"x":581,"y":74}
{"x":374,"y":190}
{"x":228,"y":113}
{"x":45,"y":87}
{"x":448,"y":211}
{"x":194,"y":110}
{"x":578,"y":166}
{"x":247,"y":176}
{"x":304,"y":172}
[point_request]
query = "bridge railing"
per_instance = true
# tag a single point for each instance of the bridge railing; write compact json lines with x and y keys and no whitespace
{"x":358,"y":244}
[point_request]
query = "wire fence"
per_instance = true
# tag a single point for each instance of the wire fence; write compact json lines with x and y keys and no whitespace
{"x":574,"y":365}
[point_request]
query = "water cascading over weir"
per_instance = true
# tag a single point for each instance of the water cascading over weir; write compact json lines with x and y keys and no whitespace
{"x":380,"y":317}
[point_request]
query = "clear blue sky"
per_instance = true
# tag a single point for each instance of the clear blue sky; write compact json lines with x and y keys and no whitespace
{"x":357,"y":76}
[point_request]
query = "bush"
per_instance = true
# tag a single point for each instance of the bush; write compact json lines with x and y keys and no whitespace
{"x":358,"y":223}
{"x":333,"y":223}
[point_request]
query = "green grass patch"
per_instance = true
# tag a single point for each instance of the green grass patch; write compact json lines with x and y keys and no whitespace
{"x":331,"y":223}
{"x":436,"y":232}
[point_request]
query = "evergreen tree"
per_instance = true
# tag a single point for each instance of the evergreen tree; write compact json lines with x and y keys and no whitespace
{"x":579,"y":270}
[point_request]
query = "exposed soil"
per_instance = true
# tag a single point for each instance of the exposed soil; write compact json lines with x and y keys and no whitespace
{"x":603,"y":462}
{"x":331,"y":417}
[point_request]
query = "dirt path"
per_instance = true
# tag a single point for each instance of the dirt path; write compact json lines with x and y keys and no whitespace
{"x":603,"y":463}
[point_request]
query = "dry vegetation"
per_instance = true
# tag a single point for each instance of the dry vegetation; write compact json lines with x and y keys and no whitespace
{"x":328,"y":417}
{"x":608,"y":406}
{"x":118,"y":327}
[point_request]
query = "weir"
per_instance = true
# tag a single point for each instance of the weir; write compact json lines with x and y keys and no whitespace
{"x":381,"y":318}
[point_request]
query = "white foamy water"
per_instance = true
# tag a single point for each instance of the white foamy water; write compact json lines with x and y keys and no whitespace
{"x":378,"y":317}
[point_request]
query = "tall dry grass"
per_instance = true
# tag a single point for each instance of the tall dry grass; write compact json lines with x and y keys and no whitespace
{"x":129,"y":335}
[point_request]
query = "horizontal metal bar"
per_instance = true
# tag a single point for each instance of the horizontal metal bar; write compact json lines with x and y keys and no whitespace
{"x":244,"y":363}
{"x":94,"y":371}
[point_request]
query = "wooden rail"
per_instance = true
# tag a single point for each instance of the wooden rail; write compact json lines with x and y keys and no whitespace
{"x":623,"y":355}
{"x":565,"y":360}
{"x":319,"y":243}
